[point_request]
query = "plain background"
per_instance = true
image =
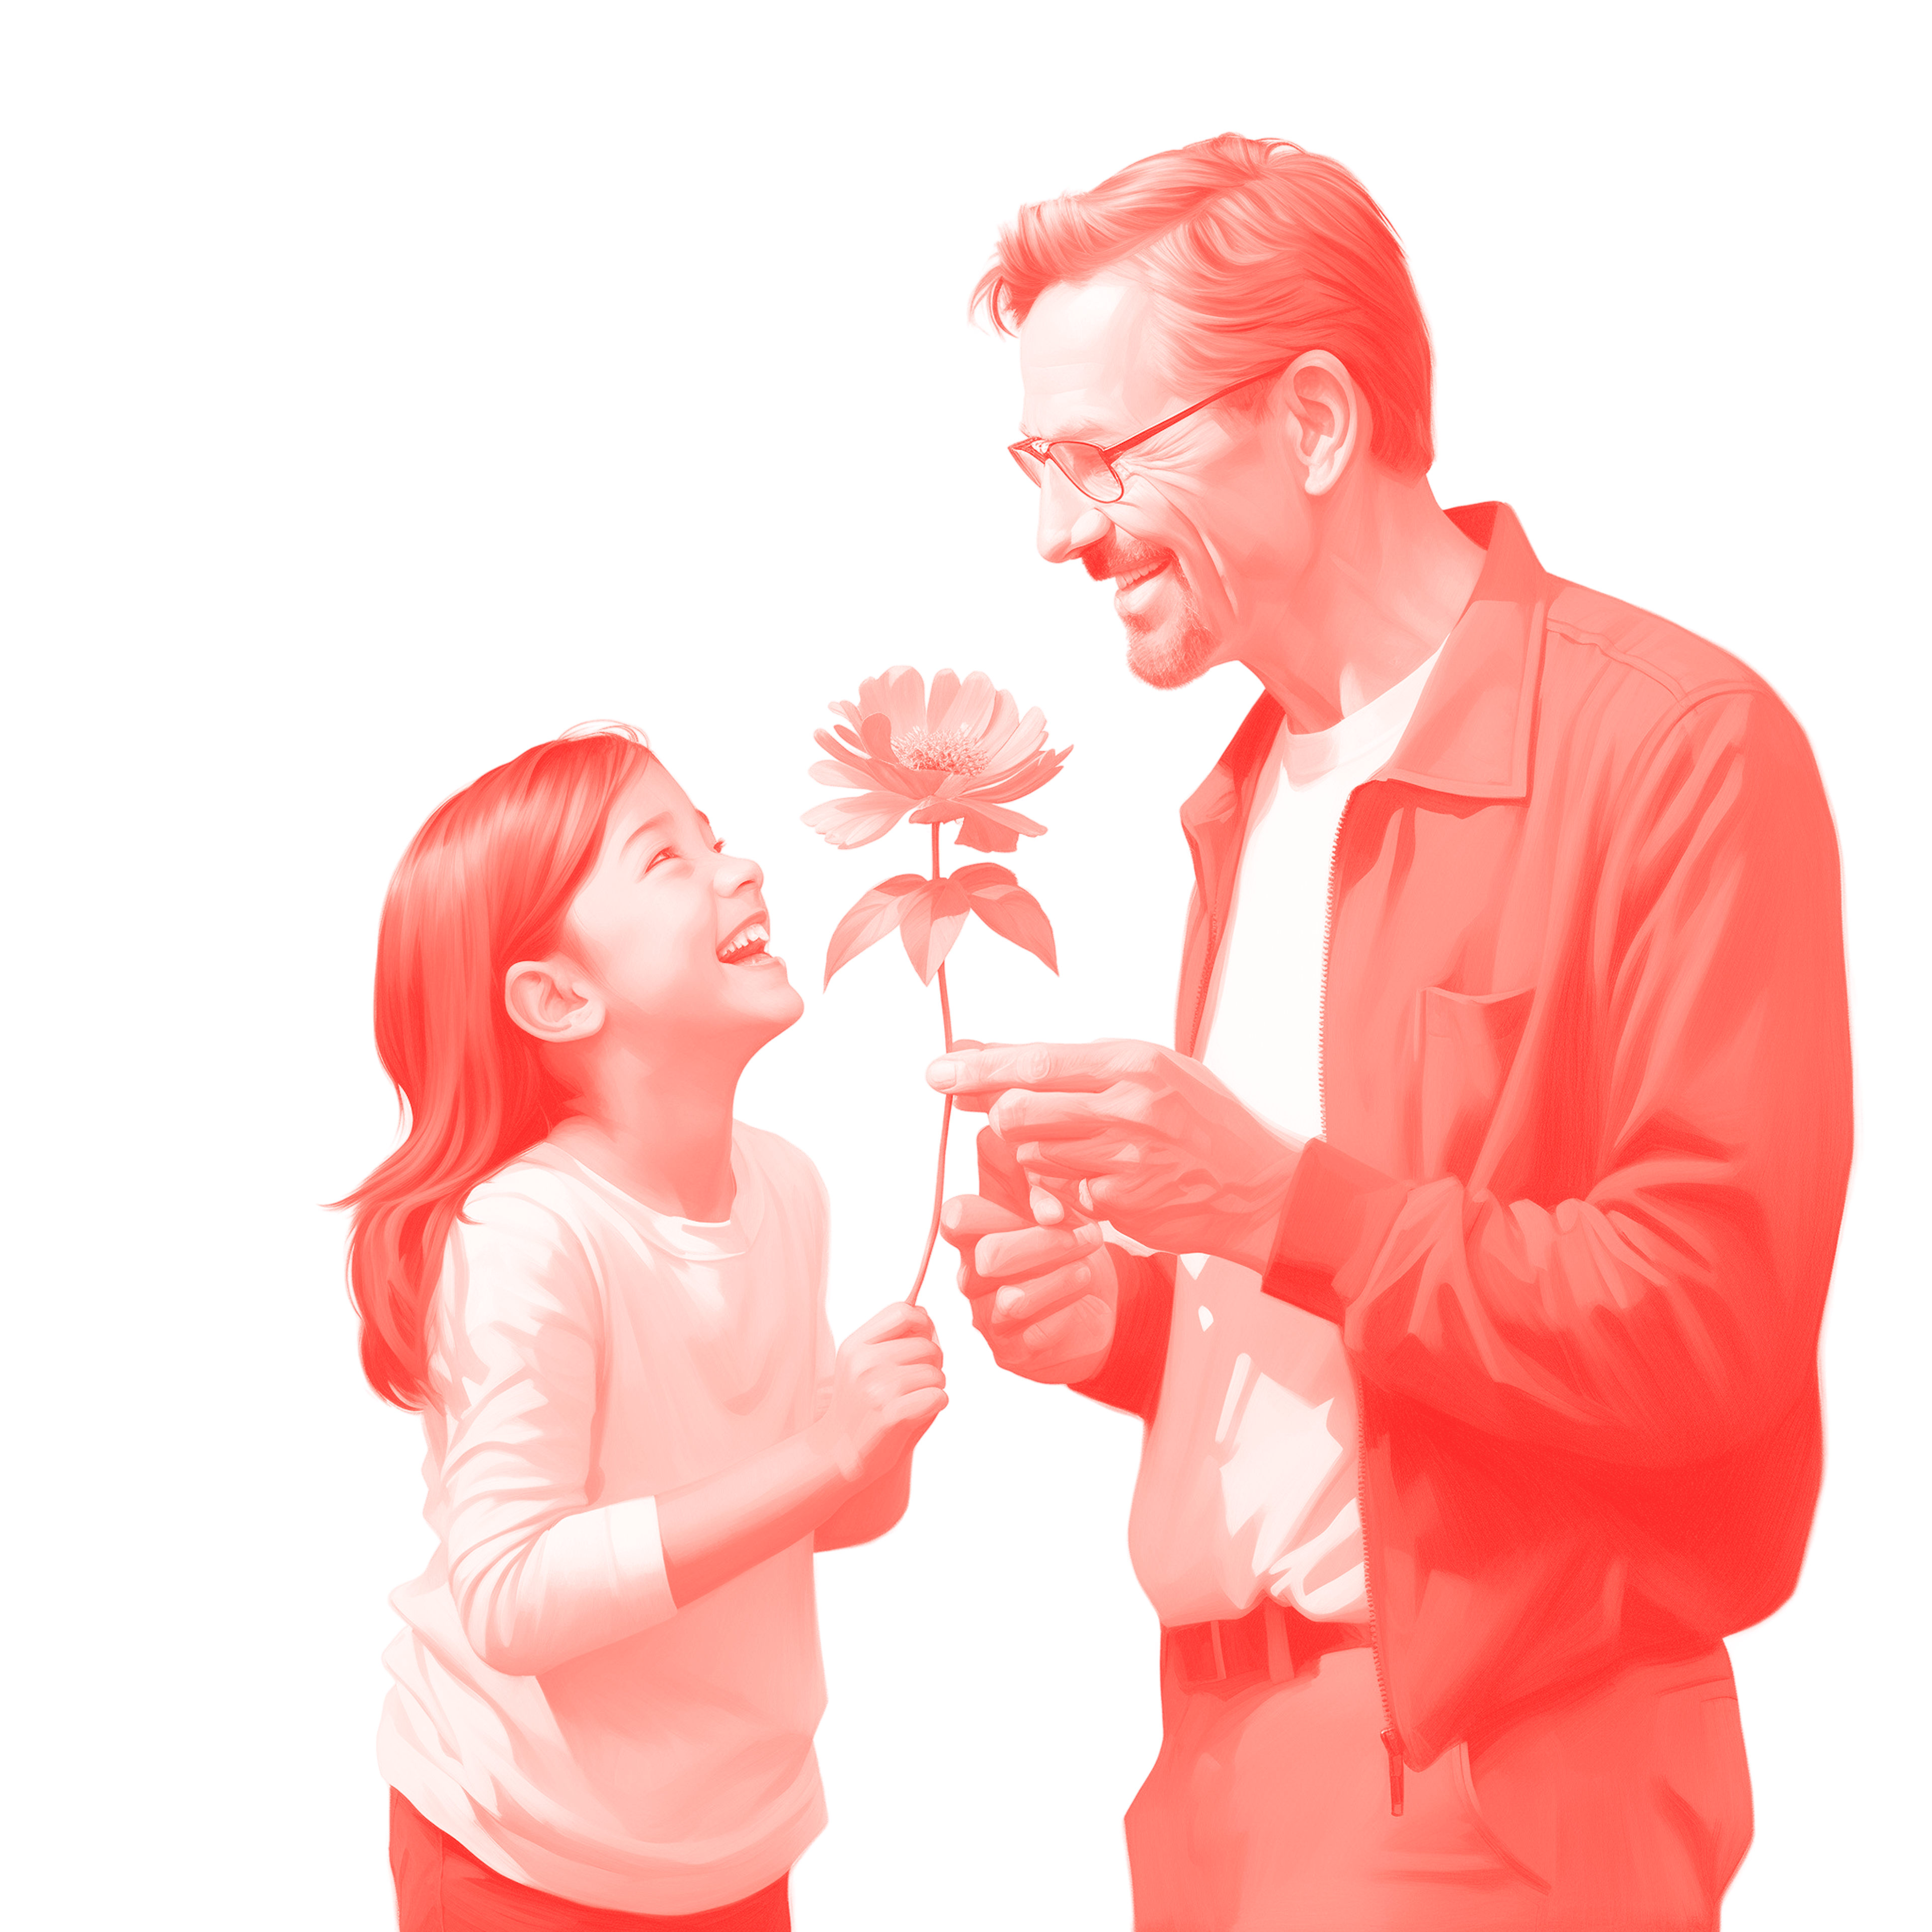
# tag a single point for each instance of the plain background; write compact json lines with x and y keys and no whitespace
{"x":386,"y":388}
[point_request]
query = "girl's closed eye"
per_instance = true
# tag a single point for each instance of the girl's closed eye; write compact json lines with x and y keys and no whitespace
{"x":671,"y":852}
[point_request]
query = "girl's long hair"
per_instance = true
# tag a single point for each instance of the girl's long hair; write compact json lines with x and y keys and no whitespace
{"x":485,"y":883}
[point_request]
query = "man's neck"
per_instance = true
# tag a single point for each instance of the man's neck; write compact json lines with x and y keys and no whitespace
{"x":1389,"y":576}
{"x":661,"y":1134}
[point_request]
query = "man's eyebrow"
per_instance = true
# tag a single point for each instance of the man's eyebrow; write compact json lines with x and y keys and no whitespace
{"x":1082,"y":429}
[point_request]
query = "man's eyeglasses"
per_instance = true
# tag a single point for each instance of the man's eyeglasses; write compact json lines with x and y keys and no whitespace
{"x":1089,"y":468}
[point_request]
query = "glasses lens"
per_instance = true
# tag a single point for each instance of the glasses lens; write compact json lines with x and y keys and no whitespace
{"x":1086,"y":469}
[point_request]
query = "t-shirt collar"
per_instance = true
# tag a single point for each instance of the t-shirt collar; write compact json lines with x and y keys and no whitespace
{"x":690,"y":1241}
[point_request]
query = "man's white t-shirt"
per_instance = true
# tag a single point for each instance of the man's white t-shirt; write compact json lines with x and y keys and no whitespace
{"x":588,"y":1355}
{"x":1248,"y":1477}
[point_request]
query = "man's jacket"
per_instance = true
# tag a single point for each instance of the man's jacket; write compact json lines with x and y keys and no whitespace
{"x":1587,"y":1126}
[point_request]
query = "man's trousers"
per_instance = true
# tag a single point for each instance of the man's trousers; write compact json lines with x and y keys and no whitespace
{"x":1627,"y":1807}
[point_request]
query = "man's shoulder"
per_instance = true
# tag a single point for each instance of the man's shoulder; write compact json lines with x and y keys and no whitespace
{"x":1632,"y":682}
{"x":1678,"y":666}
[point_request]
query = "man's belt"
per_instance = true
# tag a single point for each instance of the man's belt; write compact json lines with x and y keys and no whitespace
{"x":1271,"y":1641}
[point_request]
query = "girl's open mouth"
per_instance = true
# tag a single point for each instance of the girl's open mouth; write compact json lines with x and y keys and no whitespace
{"x":746,"y":947}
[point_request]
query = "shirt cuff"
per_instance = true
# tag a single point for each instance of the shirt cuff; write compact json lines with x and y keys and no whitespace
{"x":1338,"y":1212}
{"x":1130,"y":1377}
{"x":637,"y":1561}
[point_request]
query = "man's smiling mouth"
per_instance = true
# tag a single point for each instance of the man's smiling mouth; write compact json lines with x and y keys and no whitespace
{"x":1127,"y":582}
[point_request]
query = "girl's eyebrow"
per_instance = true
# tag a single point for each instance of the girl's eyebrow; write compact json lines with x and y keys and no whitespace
{"x":656,"y":823}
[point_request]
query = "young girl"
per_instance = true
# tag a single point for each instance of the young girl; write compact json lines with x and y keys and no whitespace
{"x":606,"y":1297}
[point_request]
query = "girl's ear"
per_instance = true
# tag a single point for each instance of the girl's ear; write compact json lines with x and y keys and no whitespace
{"x":546,"y":998}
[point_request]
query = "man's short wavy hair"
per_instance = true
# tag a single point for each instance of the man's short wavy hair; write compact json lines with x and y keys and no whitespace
{"x":1255,"y":252}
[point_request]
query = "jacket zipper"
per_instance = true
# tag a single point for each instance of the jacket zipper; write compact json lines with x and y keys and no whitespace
{"x":1391,"y":1739}
{"x":1214,"y":945}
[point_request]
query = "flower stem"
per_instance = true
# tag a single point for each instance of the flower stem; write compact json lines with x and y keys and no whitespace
{"x":946,"y":1114}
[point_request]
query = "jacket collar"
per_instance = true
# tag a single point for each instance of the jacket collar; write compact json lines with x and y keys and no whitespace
{"x":1470,"y":732}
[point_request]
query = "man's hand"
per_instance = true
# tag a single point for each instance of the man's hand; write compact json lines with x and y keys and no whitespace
{"x":1146,"y":1139}
{"x":1043,"y":1297}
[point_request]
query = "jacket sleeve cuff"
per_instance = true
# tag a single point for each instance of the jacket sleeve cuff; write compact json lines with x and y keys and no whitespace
{"x":1129,"y":1378}
{"x":1337,"y":1215}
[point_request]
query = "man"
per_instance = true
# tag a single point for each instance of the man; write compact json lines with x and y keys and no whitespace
{"x":1470,"y":1249}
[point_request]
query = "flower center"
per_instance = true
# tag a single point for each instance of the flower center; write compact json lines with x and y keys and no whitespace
{"x":956,"y":751}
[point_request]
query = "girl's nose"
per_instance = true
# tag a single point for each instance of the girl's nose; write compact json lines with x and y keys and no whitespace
{"x":1070,"y":521}
{"x":734,"y":874}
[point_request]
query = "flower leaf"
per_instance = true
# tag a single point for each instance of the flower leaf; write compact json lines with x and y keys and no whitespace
{"x":934,"y":919}
{"x":1011,"y":911}
{"x":871,"y":919}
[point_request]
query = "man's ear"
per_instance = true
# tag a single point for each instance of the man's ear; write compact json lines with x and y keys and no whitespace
{"x":1327,"y":417}
{"x":548,"y":1000}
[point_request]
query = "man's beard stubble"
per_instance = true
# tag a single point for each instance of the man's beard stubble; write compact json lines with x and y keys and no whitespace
{"x":1166,"y":656}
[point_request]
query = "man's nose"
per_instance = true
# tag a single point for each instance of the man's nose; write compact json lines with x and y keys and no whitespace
{"x":1069,"y":521}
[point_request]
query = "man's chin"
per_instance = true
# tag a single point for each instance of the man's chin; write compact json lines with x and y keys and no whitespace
{"x":1169,"y":656}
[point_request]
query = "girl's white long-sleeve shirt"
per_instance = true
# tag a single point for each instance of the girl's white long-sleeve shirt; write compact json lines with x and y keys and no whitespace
{"x":553,"y":1709}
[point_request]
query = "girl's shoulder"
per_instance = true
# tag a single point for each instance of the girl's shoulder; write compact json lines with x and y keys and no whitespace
{"x":531,"y":1197}
{"x":520,"y":1251}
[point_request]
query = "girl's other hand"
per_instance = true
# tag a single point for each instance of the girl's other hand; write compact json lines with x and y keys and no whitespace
{"x":888,"y":1384}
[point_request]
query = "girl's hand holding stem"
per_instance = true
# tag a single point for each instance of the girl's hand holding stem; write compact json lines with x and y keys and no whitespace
{"x":842,"y":1480}
{"x":889,"y":1385}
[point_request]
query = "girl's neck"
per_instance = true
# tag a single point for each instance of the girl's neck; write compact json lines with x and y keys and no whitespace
{"x":663,"y":1138}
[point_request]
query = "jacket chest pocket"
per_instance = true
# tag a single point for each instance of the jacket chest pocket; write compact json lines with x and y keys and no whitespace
{"x":1469,"y":1044}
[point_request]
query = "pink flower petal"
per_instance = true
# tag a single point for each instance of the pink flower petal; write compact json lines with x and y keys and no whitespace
{"x":886,"y":774}
{"x":981,"y":835}
{"x":1026,"y":738}
{"x":829,"y":771}
{"x":847,"y":822}
{"x":902,"y":694}
{"x":988,"y":828}
{"x":1037,"y":771}
{"x":945,"y":689}
{"x":976,"y":702}
{"x":996,"y":727}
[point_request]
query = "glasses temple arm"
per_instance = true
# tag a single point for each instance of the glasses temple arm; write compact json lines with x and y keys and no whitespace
{"x":1120,"y":448}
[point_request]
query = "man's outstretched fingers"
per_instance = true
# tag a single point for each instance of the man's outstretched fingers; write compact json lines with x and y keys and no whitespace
{"x":975,"y":1079}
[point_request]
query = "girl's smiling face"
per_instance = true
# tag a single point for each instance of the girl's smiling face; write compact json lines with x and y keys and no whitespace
{"x":665,"y":949}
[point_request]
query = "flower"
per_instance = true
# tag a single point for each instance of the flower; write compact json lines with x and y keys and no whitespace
{"x":962,"y":753}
